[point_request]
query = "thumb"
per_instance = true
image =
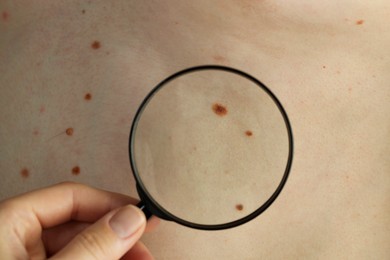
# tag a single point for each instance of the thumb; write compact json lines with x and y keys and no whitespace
{"x":109,"y":238}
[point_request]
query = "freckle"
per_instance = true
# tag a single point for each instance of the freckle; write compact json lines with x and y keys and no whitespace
{"x":219,"y":58}
{"x":25,"y":173}
{"x":95,"y":45}
{"x":249,"y":133}
{"x":338,"y":72}
{"x":373,"y":76}
{"x":239,"y":207}
{"x":176,"y":23}
{"x":88,"y":96}
{"x":359,"y":22}
{"x":349,"y":89}
{"x":107,"y":53}
{"x":83,"y":11}
{"x":5,"y":16}
{"x":69,"y":131}
{"x":42,"y":109}
{"x":219,"y":109}
{"x":76,"y":170}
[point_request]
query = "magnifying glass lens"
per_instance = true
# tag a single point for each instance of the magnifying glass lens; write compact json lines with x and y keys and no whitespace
{"x":211,"y":146}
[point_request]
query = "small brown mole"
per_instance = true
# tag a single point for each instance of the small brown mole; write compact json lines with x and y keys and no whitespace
{"x":69,"y":131}
{"x":76,"y":170}
{"x":95,"y":45}
{"x":239,"y":207}
{"x":83,"y":11}
{"x":359,"y":22}
{"x":5,"y":16}
{"x":249,"y":133}
{"x":88,"y":96}
{"x":25,"y":173}
{"x":219,"y":109}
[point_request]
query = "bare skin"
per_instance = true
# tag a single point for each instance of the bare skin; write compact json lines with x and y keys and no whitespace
{"x":87,"y":66}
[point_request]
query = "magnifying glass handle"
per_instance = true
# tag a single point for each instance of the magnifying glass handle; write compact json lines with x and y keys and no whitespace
{"x":141,"y":206}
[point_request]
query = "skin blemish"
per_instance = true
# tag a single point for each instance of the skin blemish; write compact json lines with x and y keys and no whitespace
{"x":36,"y":132}
{"x":5,"y":16}
{"x":219,"y":109}
{"x":324,"y":67}
{"x":76,"y":170}
{"x":239,"y":207}
{"x":69,"y":131}
{"x":248,"y":133}
{"x":359,"y":22}
{"x":83,"y":11}
{"x":88,"y":96}
{"x":95,"y":45}
{"x":219,"y":58}
{"x":25,"y":173}
{"x":42,"y":109}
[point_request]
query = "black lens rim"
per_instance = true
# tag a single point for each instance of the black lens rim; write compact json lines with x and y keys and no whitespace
{"x":153,"y":205}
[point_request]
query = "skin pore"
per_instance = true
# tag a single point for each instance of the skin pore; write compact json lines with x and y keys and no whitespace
{"x":327,"y":62}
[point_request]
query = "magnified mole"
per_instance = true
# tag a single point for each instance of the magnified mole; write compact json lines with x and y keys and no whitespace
{"x":219,"y":109}
{"x":249,"y":133}
{"x":239,"y":207}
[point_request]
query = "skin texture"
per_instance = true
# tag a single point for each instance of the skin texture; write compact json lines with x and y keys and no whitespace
{"x":328,"y":63}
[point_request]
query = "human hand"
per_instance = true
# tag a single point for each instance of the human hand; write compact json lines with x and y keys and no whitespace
{"x":72,"y":221}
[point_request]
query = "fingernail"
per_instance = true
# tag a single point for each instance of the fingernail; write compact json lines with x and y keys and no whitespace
{"x":127,"y":221}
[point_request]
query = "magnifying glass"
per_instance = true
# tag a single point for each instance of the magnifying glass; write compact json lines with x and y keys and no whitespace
{"x":210,"y":148}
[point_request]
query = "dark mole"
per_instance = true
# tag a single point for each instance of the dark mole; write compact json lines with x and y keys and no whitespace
{"x":219,"y":109}
{"x":83,"y":11}
{"x":25,"y":173}
{"x":239,"y":207}
{"x":5,"y":16}
{"x":359,"y":22}
{"x":95,"y":45}
{"x":324,"y":67}
{"x":88,"y":96}
{"x":69,"y":131}
{"x":249,"y":133}
{"x":76,"y":170}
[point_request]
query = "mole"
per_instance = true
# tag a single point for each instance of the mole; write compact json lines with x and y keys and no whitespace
{"x":88,"y":96}
{"x":5,"y":16}
{"x":25,"y":173}
{"x":95,"y":45}
{"x":83,"y":11}
{"x":359,"y":22}
{"x":249,"y":133}
{"x":76,"y":170}
{"x":36,"y":132}
{"x":219,"y":109}
{"x":69,"y":131}
{"x":239,"y":207}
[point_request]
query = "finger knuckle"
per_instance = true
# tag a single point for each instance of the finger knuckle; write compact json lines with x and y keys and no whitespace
{"x":94,"y":244}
